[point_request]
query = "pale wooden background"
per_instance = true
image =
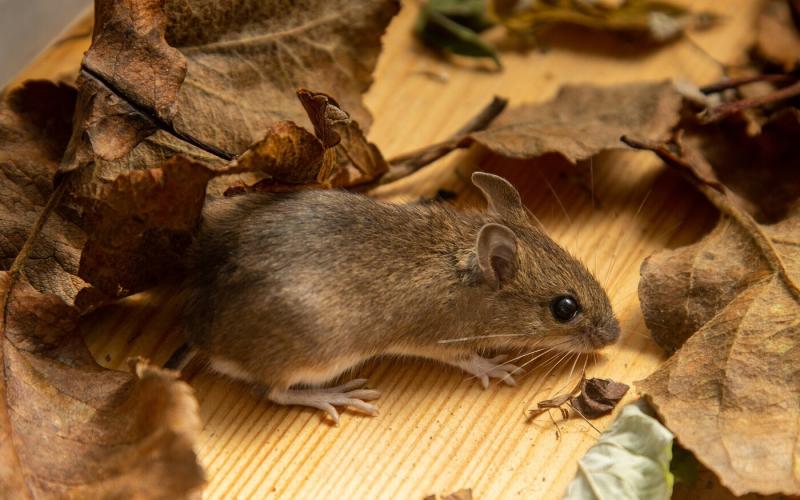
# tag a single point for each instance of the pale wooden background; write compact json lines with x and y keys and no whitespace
{"x":438,"y":432}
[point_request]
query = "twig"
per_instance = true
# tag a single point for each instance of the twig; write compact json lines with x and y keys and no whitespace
{"x":408,"y":163}
{"x":732,"y":83}
{"x":717,"y":113}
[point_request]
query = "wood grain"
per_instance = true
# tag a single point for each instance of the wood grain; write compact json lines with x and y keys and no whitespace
{"x":438,"y":431}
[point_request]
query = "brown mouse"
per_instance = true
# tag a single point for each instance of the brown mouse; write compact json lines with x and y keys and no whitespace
{"x":290,"y":290}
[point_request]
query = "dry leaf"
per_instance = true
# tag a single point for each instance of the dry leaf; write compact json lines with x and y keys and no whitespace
{"x":140,"y":225}
{"x":583,"y":120}
{"x":242,"y":70}
{"x":591,"y":398}
{"x":760,"y":171}
{"x":69,"y":428}
{"x":34,"y":130}
{"x":654,"y":20}
{"x":359,"y":161}
{"x":598,"y":397}
{"x":778,"y":38}
{"x":731,"y":393}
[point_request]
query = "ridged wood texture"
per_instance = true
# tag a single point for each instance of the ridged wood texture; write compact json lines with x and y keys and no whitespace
{"x":438,"y":431}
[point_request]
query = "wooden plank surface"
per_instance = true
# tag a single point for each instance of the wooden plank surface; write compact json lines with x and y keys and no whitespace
{"x":438,"y":431}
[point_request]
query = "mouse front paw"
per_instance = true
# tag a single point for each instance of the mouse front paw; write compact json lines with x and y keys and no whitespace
{"x":485,"y":368}
{"x":352,"y":394}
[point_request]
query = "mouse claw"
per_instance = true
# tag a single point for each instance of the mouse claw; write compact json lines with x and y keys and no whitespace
{"x":330,"y":410}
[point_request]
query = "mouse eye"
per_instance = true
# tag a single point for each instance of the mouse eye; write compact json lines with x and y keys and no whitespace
{"x":564,"y":307}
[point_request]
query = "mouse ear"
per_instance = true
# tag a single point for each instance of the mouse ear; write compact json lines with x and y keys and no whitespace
{"x":503,"y":199}
{"x":497,"y":253}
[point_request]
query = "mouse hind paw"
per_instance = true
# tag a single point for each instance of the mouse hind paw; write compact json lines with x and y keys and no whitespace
{"x":350,"y":394}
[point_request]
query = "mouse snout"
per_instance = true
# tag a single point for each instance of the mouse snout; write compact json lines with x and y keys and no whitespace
{"x":603,"y":335}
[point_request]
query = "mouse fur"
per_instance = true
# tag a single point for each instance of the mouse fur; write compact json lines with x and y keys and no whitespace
{"x":289,"y":289}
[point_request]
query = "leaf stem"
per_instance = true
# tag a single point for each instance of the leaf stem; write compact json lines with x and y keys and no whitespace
{"x":717,"y":113}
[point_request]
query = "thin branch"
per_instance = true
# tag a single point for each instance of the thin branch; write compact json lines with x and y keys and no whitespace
{"x":408,"y":163}
{"x":717,"y":113}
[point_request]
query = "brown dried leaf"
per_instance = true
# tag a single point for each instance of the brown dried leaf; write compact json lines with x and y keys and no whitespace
{"x":69,"y":428}
{"x":731,"y":393}
{"x":778,"y":38}
{"x":584,"y":120}
{"x":140,"y":225}
{"x":598,"y":397}
{"x":650,"y":20}
{"x":34,"y":129}
{"x":243,"y":69}
{"x":359,"y":161}
{"x":759,"y":171}
{"x":287,"y":154}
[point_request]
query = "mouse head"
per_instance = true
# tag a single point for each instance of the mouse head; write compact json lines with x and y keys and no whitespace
{"x":535,"y":286}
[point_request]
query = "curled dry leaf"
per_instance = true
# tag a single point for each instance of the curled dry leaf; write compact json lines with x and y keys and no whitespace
{"x":34,"y":130}
{"x":583,"y":120}
{"x":598,"y":397}
{"x":353,"y":159}
{"x":69,"y":428}
{"x":730,"y":394}
{"x":591,"y":398}
{"x":778,"y":37}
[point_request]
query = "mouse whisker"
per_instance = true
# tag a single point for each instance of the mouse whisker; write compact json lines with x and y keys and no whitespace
{"x":539,"y":353}
{"x":571,"y":371}
{"x":464,"y":339}
{"x":563,"y":208}
{"x":625,"y":238}
{"x":547,"y":351}
{"x":556,"y":364}
{"x":476,"y":337}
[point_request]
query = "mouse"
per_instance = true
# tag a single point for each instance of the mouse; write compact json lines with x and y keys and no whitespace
{"x":291,"y":290}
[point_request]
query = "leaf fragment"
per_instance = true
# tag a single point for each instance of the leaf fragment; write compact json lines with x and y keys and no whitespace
{"x":630,"y":461}
{"x":598,"y":397}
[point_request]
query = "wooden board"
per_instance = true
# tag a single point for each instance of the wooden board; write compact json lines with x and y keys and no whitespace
{"x":438,"y":431}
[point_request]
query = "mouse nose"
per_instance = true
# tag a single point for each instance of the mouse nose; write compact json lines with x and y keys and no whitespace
{"x":603,"y":335}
